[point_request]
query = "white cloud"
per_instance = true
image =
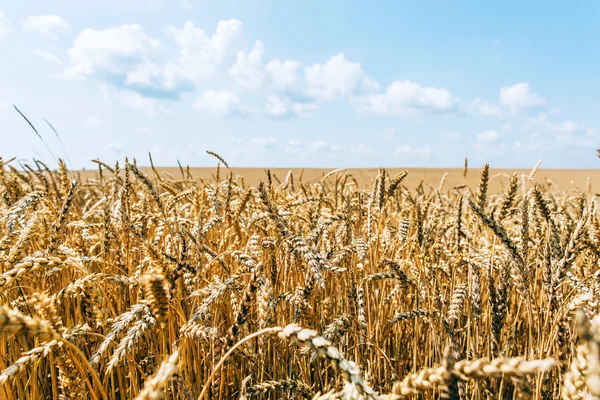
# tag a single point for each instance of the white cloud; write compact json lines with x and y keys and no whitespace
{"x":5,"y":25}
{"x":48,"y":56}
{"x":223,"y":103}
{"x":406,"y":149}
{"x":567,"y":133}
{"x":276,"y":107}
{"x":283,"y":74}
{"x":248,"y":69}
{"x":126,"y":57}
{"x":46,"y":25}
{"x":485,"y":108}
{"x":200,"y":54}
{"x":111,"y":52}
{"x":304,"y":109}
{"x":488,"y":144}
{"x":146,"y":74}
{"x":280,"y":108}
{"x":336,"y":78}
{"x":406,"y":97}
{"x":133,"y":100}
{"x":487,"y":136}
{"x":568,"y":126}
{"x":506,"y":127}
{"x":587,"y":139}
{"x":541,"y":122}
{"x":518,"y":97}
{"x":138,"y":102}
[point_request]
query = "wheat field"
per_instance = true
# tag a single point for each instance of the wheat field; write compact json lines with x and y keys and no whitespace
{"x":130,"y":283}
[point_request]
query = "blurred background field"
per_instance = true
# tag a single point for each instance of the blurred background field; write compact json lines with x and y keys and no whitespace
{"x":561,"y":179}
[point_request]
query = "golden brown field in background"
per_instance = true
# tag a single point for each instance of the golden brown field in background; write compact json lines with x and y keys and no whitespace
{"x":561,"y":178}
{"x":133,"y":283}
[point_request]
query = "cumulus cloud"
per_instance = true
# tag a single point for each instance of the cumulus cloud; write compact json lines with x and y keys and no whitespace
{"x":126,"y":57}
{"x":587,"y":139}
{"x":110,"y":53}
{"x":280,"y":107}
{"x":46,"y":25}
{"x":566,"y":133}
{"x":200,"y":54}
{"x":406,"y":97}
{"x":518,"y":97}
{"x":248,"y":69}
{"x":144,"y":75}
{"x":138,"y":102}
{"x":141,"y":71}
{"x":222,"y":103}
{"x":541,"y":123}
{"x":133,"y":100}
{"x":48,"y":56}
{"x":283,"y":74}
{"x":5,"y":25}
{"x":485,"y":108}
{"x":513,"y":100}
{"x":569,"y":126}
{"x":336,"y":78}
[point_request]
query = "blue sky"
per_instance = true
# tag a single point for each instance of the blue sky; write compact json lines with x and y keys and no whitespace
{"x":311,"y":83}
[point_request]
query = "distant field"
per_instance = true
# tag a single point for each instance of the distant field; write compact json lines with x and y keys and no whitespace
{"x":561,"y":178}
